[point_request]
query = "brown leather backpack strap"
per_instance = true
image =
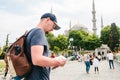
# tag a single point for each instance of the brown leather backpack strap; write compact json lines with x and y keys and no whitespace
{"x":6,"y":69}
{"x":26,"y":32}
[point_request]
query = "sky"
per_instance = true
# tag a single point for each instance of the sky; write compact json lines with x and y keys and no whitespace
{"x":17,"y":16}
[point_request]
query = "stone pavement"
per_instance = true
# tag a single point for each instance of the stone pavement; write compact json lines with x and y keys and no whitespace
{"x":75,"y":70}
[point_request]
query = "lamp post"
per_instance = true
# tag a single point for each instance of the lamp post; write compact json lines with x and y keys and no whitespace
{"x":119,"y":43}
{"x":71,"y":45}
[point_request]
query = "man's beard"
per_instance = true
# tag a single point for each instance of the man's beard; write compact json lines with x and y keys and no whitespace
{"x":46,"y":32}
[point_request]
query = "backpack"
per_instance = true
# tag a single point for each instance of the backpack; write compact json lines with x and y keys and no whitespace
{"x":16,"y":59}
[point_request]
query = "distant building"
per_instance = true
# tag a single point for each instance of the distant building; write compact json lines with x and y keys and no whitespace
{"x":82,"y":27}
{"x":102,"y":50}
{"x":77,"y":27}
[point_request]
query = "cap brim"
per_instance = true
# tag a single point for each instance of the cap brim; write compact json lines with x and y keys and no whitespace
{"x":57,"y":27}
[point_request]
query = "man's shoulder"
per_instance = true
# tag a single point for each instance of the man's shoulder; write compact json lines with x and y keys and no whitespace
{"x":35,"y":31}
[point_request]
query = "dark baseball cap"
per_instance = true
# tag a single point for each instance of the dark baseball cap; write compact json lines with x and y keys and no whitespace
{"x":53,"y":18}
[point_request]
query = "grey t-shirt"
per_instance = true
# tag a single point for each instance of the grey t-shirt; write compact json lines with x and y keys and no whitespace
{"x":37,"y":37}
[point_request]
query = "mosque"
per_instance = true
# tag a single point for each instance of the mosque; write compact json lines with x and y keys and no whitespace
{"x":79,"y":26}
{"x":103,"y":49}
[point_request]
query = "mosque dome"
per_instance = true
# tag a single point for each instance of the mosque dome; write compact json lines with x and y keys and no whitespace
{"x":79,"y":27}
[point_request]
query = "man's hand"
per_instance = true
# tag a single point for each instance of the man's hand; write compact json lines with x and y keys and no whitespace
{"x":61,"y":60}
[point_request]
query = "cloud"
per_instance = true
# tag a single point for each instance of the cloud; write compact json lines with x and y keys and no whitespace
{"x":14,"y":25}
{"x":16,"y":16}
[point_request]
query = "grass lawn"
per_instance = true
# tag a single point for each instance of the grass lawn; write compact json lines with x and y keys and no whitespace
{"x":2,"y":65}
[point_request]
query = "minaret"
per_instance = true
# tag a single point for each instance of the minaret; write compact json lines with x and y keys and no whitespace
{"x":68,"y":32}
{"x":51,"y":10}
{"x":7,"y":40}
{"x":70,"y":25}
{"x":94,"y":18}
{"x":101,"y":22}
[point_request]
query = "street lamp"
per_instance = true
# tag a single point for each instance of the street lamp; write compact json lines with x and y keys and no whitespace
{"x":119,"y":42}
{"x":71,"y":40}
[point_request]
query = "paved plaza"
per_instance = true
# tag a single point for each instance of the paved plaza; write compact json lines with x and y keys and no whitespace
{"x":75,"y":70}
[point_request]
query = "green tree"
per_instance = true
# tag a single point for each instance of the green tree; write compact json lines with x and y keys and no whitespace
{"x":7,"y":40}
{"x":83,"y":40}
{"x":56,"y":50}
{"x":51,"y":39}
{"x":105,"y":32}
{"x":114,"y":37}
{"x":0,"y":50}
{"x":78,"y":38}
{"x":92,"y":42}
{"x":5,"y":47}
{"x":61,"y":42}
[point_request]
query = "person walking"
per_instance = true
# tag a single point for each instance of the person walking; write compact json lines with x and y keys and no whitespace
{"x":110,"y":58}
{"x":99,"y":56}
{"x":38,"y":51}
{"x":87,"y":62}
{"x":95,"y":64}
{"x":52,"y":55}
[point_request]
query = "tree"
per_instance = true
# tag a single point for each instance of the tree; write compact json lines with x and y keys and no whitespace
{"x":7,"y":40}
{"x":105,"y":34}
{"x":56,"y":50}
{"x":78,"y":38}
{"x":5,"y":47}
{"x":3,"y":52}
{"x":0,"y":50}
{"x":60,"y":42}
{"x":91,"y":42}
{"x":50,"y":39}
{"x":84,"y":40}
{"x":114,"y":37}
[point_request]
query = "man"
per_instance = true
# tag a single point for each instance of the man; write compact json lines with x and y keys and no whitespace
{"x":37,"y":49}
{"x":110,"y":58}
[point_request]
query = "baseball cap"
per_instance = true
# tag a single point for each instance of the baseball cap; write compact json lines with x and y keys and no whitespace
{"x":53,"y":18}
